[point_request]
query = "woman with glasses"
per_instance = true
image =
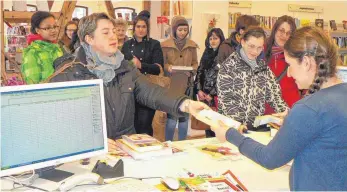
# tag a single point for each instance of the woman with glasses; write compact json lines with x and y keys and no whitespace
{"x":274,"y":56}
{"x":65,"y":41}
{"x":245,"y":82}
{"x":42,"y":48}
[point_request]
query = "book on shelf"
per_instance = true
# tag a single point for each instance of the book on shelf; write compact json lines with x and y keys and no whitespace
{"x":344,"y":24}
{"x":333,"y":25}
{"x":142,"y":155}
{"x":305,"y":22}
{"x":319,"y":23}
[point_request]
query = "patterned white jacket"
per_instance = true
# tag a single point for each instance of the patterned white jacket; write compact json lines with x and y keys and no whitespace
{"x":243,"y":91}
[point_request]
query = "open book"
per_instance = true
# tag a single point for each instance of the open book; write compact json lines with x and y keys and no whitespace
{"x":212,"y":118}
{"x":266,"y":119}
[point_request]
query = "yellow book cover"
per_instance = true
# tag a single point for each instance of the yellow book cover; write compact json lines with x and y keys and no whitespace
{"x":305,"y":22}
{"x":220,"y":152}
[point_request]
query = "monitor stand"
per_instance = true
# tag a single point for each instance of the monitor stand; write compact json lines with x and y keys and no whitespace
{"x":52,"y":174}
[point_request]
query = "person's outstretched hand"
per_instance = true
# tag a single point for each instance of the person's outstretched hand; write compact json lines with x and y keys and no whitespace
{"x":281,"y":115}
{"x":221,"y":131}
{"x":193,"y":107}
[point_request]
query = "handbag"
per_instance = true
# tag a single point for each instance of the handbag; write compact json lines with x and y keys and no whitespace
{"x":190,"y":87}
{"x":160,"y":79}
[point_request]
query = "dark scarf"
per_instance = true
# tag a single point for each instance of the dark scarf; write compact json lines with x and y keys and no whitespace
{"x":208,"y":57}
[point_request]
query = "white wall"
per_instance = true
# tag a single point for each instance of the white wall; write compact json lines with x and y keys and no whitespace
{"x":332,"y":10}
{"x":200,"y":20}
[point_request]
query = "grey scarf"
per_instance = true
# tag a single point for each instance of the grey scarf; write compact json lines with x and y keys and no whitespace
{"x":252,"y":63}
{"x":180,"y":42}
{"x":102,"y":66}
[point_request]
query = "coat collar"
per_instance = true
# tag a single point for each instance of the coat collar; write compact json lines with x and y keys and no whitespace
{"x":170,"y":43}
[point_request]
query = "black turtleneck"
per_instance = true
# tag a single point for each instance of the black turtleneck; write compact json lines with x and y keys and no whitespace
{"x":148,"y":51}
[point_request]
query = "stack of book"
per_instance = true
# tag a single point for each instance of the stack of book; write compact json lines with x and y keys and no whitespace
{"x":143,"y":146}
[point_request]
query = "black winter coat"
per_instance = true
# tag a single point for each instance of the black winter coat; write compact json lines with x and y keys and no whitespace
{"x":120,"y":94}
{"x":148,"y":51}
{"x":206,"y":77}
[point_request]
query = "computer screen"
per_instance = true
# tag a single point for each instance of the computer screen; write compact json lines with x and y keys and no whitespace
{"x":48,"y":124}
{"x":342,"y":73}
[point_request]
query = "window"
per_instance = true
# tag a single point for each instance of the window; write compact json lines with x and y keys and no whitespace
{"x":31,"y":8}
{"x":126,"y":13}
{"x":80,"y":11}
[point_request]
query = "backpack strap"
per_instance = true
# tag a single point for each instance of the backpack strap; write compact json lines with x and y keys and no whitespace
{"x":284,"y":72}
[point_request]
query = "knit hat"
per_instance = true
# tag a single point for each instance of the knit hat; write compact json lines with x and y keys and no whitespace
{"x":145,"y":13}
{"x":176,"y":22}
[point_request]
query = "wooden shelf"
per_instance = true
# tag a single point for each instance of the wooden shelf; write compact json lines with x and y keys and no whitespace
{"x":342,"y":50}
{"x":338,"y":33}
{"x":22,"y":16}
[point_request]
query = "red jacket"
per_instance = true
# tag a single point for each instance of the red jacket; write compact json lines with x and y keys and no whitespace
{"x":290,"y":91}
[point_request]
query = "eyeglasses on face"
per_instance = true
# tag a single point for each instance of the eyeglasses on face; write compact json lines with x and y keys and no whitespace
{"x":55,"y":27}
{"x":284,"y":33}
{"x":253,"y":47}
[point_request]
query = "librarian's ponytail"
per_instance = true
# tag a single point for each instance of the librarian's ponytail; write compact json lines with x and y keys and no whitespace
{"x":311,"y":41}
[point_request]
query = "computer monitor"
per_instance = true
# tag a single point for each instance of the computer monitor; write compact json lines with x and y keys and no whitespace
{"x":342,"y":73}
{"x":48,"y":124}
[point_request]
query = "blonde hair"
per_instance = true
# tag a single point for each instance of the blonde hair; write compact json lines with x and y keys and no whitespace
{"x":121,"y":23}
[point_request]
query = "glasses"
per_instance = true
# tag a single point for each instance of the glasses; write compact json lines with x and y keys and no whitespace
{"x":284,"y":33}
{"x":55,"y":27}
{"x":71,"y":30}
{"x":253,"y":47}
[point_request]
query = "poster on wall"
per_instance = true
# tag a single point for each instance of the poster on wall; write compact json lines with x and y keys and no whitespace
{"x":126,"y":13}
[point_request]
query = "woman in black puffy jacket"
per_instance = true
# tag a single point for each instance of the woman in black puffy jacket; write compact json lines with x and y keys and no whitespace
{"x":206,"y":78}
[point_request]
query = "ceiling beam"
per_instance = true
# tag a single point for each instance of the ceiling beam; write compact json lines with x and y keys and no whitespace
{"x":110,"y":9}
{"x":65,"y":15}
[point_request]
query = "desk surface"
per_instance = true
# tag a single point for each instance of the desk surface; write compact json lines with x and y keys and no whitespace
{"x":252,"y":175}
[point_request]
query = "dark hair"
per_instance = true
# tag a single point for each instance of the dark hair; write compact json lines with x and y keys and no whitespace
{"x":253,"y":31}
{"x":271,"y":40}
{"x":218,"y":32}
{"x":69,"y":23}
{"x":244,"y":21}
{"x":37,"y":18}
{"x":145,"y":13}
{"x":312,"y":41}
{"x":141,"y":18}
{"x":74,"y":40}
{"x":76,"y":20}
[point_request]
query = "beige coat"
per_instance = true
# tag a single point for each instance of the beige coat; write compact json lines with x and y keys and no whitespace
{"x":186,"y":57}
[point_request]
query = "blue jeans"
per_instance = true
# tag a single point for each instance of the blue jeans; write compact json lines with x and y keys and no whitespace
{"x":171,"y":125}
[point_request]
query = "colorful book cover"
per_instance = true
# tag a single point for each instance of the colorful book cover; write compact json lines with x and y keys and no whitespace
{"x":319,"y":23}
{"x":118,"y":153}
{"x":219,"y":152}
{"x":231,"y":177}
{"x":305,"y":22}
{"x":139,"y":138}
{"x":143,"y":155}
{"x":144,"y":147}
{"x":333,"y":25}
{"x":175,"y":150}
{"x":222,"y":184}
